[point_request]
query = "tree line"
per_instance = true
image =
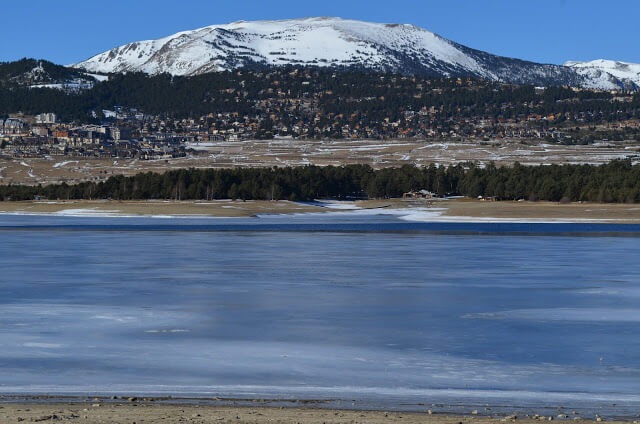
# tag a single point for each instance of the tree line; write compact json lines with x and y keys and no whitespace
{"x":617,"y":181}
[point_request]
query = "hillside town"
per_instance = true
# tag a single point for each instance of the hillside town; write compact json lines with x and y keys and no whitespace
{"x":306,"y":105}
{"x":43,"y":136}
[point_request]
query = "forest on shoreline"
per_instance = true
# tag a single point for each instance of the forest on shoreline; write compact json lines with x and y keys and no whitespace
{"x":617,"y":181}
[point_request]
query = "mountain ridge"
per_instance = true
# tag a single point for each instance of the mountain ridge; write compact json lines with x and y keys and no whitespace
{"x":340,"y":43}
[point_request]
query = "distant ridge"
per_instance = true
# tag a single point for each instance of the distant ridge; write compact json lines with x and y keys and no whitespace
{"x":602,"y":71}
{"x":41,"y":73}
{"x":340,"y":43}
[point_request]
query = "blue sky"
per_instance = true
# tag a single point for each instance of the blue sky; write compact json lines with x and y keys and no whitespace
{"x":549,"y":31}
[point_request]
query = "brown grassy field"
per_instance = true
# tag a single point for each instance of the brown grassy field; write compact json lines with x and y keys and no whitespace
{"x":127,"y":413}
{"x":286,"y":152}
{"x":602,"y":212}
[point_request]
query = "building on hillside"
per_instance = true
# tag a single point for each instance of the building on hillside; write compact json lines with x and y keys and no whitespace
{"x":117,"y":133}
{"x":13,"y":126}
{"x":46,"y":118}
{"x":40,"y":131}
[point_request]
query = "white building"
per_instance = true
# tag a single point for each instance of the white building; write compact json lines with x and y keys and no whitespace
{"x":46,"y":118}
{"x":12,"y":126}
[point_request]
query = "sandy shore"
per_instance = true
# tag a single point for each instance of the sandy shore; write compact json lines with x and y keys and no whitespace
{"x":147,"y":412}
{"x":437,"y":210}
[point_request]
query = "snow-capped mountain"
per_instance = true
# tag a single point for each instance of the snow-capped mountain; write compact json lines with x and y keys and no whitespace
{"x":328,"y":42}
{"x":603,"y":72}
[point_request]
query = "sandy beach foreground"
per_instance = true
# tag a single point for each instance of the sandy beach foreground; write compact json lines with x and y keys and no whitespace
{"x":147,"y":412}
{"x":451,"y":210}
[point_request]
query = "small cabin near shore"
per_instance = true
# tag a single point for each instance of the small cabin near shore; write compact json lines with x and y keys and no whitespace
{"x":419,"y":194}
{"x":487,"y":198}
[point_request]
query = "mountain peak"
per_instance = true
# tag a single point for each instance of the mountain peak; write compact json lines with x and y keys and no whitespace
{"x":328,"y":42}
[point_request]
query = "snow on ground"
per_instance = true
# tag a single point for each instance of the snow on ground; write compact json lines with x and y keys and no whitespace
{"x":333,"y":204}
{"x":201,"y":146}
{"x":99,"y":77}
{"x":435,"y":214}
{"x":88,"y":212}
{"x":338,"y":209}
{"x":67,"y":86}
{"x":61,"y":164}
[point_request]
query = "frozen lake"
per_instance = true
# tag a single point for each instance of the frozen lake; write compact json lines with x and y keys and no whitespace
{"x":367,"y":308}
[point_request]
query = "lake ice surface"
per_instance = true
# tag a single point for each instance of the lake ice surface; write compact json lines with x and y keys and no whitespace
{"x":394,"y":317}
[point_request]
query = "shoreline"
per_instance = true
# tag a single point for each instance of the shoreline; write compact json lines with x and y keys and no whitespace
{"x":437,"y":210}
{"x":584,"y":405}
{"x":132,"y":409}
